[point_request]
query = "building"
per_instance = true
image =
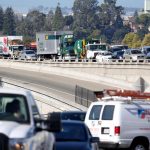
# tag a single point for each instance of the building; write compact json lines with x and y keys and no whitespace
{"x":147,"y":6}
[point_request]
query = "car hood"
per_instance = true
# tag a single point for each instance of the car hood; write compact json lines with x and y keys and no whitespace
{"x":72,"y":145}
{"x":14,"y":129}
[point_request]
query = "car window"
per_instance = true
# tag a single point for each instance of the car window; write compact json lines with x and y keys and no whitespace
{"x":136,"y":52}
{"x":71,"y":132}
{"x":73,"y":116}
{"x":14,"y":108}
{"x":108,"y":112}
{"x":95,"y":112}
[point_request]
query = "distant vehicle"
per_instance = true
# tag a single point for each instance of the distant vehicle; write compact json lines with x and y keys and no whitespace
{"x":118,"y":54}
{"x":55,"y":44}
{"x":146,"y":51}
{"x":133,"y":54}
{"x":89,"y":49}
{"x":22,"y":126}
{"x":120,"y":122}
{"x":103,"y":56}
{"x":73,"y":115}
{"x":28,"y":55}
{"x":75,"y":135}
{"x":11,"y":45}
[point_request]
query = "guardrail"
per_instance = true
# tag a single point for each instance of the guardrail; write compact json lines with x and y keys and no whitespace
{"x":109,"y":61}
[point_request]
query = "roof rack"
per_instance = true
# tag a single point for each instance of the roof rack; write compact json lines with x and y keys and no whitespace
{"x":116,"y":98}
{"x":126,"y":94}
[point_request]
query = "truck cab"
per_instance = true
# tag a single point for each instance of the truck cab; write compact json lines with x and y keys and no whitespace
{"x":22,"y":126}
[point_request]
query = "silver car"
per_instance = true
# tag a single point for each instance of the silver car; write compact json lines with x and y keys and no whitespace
{"x":28,"y":55}
{"x":133,"y":54}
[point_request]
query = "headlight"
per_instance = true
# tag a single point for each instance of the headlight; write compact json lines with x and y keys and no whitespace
{"x":18,"y":144}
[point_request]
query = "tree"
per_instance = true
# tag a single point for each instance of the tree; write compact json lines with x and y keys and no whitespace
{"x":58,"y":21}
{"x":136,"y":42}
{"x":1,"y":18}
{"x":85,"y":17}
{"x":68,"y":21}
{"x":49,"y":20}
{"x":9,"y":22}
{"x":128,"y":39}
{"x":146,"y":40}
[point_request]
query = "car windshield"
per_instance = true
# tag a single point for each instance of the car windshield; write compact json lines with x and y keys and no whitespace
{"x":73,"y":116}
{"x":30,"y":52}
{"x":71,"y":132}
{"x":136,"y":52}
{"x":14,"y":108}
{"x":96,"y":47}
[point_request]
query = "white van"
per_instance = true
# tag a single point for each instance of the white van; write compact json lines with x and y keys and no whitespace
{"x":120,"y":123}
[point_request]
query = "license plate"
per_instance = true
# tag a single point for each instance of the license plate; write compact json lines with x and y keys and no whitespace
{"x":105,"y":131}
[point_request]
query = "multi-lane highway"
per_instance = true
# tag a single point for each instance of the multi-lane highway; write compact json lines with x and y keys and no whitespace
{"x":58,"y":85}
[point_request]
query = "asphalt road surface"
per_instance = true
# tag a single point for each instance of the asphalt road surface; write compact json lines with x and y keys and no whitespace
{"x":59,"y":85}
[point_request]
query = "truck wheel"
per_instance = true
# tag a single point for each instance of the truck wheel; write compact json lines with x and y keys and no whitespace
{"x":139,"y":145}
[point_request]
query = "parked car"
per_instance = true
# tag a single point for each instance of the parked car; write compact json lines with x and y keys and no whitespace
{"x":28,"y":54}
{"x":133,"y":54}
{"x":75,"y":135}
{"x":73,"y":115}
{"x":103,"y":56}
{"x":118,"y":54}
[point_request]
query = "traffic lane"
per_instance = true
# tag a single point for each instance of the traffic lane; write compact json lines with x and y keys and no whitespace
{"x":50,"y":82}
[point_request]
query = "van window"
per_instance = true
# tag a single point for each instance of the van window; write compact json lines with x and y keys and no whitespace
{"x":108,"y":112}
{"x":95,"y":112}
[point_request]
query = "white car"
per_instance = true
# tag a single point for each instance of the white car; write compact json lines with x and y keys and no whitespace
{"x":28,"y":55}
{"x":22,"y":127}
{"x":103,"y":56}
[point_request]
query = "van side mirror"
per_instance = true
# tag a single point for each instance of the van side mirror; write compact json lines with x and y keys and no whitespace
{"x":54,"y":122}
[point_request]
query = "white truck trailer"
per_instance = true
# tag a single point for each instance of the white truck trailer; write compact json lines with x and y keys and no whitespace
{"x":52,"y":44}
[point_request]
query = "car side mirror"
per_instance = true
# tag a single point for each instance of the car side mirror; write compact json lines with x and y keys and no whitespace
{"x":54,"y":122}
{"x":95,"y":139}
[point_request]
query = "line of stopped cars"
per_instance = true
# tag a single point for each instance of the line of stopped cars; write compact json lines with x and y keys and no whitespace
{"x":121,"y":52}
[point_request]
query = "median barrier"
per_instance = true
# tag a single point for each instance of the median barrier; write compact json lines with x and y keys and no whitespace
{"x":123,"y":75}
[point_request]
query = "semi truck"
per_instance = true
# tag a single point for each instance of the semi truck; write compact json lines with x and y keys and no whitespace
{"x":89,"y":48}
{"x":55,"y":44}
{"x":11,"y":45}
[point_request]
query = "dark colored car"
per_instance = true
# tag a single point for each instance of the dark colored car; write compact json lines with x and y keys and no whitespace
{"x":75,"y":135}
{"x":73,"y":115}
{"x":118,"y":54}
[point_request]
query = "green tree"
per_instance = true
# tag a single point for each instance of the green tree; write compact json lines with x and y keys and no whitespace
{"x":85,"y":17}
{"x":1,"y":18}
{"x":58,"y":21}
{"x":128,"y":39}
{"x":68,"y":22}
{"x":146,"y":40}
{"x":49,"y":20}
{"x":136,"y":42}
{"x":9,"y":22}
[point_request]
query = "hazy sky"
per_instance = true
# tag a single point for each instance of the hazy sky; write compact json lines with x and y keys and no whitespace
{"x":25,"y":5}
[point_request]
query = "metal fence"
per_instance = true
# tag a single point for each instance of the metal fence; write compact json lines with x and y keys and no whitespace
{"x":85,"y":96}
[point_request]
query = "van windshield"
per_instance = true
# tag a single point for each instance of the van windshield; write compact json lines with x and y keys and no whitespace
{"x":95,"y":112}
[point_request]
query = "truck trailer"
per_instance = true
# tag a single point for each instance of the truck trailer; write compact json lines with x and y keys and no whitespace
{"x":55,"y":44}
{"x":11,"y":45}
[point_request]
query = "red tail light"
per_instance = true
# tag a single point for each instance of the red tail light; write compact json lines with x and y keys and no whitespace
{"x":117,"y":130}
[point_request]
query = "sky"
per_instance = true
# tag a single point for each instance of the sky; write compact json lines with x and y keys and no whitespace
{"x":26,"y":5}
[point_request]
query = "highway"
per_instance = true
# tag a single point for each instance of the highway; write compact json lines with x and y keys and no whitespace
{"x":58,"y":85}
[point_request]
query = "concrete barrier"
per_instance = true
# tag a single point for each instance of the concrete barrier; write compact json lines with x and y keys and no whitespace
{"x":126,"y":75}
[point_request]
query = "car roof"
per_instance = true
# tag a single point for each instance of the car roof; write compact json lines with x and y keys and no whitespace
{"x":6,"y":90}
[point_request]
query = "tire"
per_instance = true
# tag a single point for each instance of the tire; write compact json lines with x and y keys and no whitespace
{"x":139,"y":145}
